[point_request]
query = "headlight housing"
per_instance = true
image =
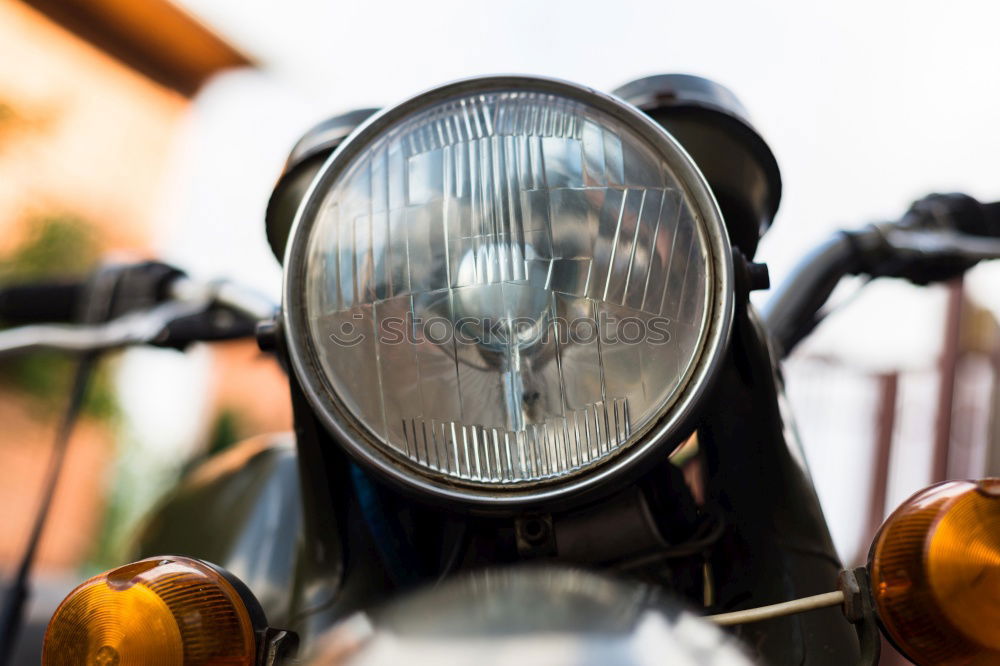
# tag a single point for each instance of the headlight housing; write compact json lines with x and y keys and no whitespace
{"x":507,"y":289}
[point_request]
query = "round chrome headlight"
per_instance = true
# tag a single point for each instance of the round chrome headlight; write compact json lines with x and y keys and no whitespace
{"x":507,"y":288}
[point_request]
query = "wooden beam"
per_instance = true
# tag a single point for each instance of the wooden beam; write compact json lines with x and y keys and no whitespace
{"x":154,"y":37}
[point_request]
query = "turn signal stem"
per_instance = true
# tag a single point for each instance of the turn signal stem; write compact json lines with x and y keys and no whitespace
{"x":859,"y":609}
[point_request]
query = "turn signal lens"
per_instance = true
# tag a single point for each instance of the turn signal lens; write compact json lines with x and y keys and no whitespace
{"x":935,"y":570}
{"x":163,"y":611}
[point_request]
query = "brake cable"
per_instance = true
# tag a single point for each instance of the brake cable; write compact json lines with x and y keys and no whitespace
{"x":98,"y":299}
{"x":817,"y":601}
{"x":19,"y":590}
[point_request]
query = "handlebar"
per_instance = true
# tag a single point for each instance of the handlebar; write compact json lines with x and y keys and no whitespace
{"x":120,"y":288}
{"x":147,"y":303}
{"x":939,"y":238}
{"x":32,"y":303}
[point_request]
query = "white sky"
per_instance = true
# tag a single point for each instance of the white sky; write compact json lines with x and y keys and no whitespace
{"x":867,"y":106}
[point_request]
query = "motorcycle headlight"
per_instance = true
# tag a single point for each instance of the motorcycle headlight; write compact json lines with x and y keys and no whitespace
{"x":506,"y":289}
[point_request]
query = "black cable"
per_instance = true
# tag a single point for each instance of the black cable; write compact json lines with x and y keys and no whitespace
{"x":707,"y":534}
{"x":456,"y":553}
{"x":12,"y":614}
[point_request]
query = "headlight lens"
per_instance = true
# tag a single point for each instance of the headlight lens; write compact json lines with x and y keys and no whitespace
{"x":506,"y":284}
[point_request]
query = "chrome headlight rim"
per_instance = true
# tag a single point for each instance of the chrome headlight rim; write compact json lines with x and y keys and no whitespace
{"x":677,"y":419}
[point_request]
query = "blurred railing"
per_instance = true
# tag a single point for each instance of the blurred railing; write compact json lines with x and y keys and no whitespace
{"x":874,"y":438}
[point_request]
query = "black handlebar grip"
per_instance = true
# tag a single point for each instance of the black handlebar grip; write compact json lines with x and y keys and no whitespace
{"x":36,"y":303}
{"x":955,"y":212}
{"x":992,"y":213}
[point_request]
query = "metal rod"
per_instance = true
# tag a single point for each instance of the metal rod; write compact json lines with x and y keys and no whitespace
{"x":885,"y":427}
{"x":946,"y":385}
{"x":993,"y":435}
{"x":778,"y":610}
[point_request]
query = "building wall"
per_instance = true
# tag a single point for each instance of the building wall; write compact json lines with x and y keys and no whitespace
{"x":85,"y":137}
{"x":79,"y":132}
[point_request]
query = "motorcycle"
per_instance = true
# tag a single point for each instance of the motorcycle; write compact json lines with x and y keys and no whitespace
{"x":536,"y":417}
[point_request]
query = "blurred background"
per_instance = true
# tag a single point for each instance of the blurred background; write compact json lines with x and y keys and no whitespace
{"x":157,"y":129}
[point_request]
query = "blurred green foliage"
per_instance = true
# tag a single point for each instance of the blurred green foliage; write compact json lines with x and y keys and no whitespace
{"x":56,"y":246}
{"x":226,"y":431}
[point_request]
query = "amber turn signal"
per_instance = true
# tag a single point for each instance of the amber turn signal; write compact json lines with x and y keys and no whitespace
{"x":163,"y":611}
{"x":935,"y":571}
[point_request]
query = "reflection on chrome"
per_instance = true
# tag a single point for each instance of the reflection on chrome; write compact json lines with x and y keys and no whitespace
{"x":543,"y":615}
